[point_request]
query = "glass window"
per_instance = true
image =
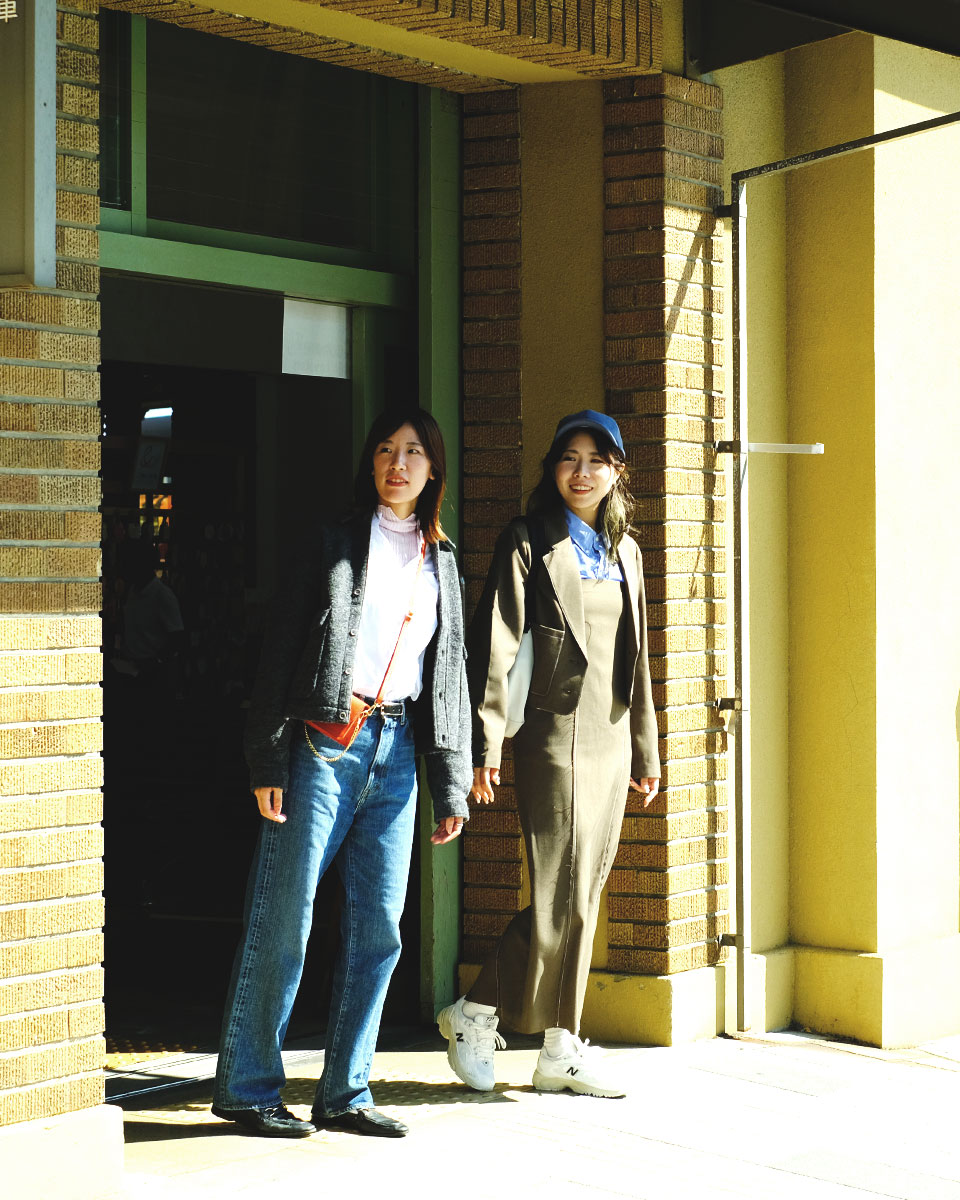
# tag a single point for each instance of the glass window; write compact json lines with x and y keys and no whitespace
{"x":256,"y":141}
{"x":114,"y":109}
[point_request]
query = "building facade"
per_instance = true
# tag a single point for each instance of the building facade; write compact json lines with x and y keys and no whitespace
{"x":233,"y":237}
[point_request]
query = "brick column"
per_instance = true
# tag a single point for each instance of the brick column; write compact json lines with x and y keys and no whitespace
{"x":51,"y":1016}
{"x":492,"y":847}
{"x":662,"y":168}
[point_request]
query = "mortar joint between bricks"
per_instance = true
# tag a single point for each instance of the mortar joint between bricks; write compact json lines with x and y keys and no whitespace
{"x":78,"y":118}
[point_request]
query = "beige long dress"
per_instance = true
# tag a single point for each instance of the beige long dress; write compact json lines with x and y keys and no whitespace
{"x":571,"y":776}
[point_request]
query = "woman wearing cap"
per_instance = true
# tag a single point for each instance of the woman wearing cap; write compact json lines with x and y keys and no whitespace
{"x":569,"y":573}
{"x":336,"y":634}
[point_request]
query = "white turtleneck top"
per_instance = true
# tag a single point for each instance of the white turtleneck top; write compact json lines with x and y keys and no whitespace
{"x":391,"y":577}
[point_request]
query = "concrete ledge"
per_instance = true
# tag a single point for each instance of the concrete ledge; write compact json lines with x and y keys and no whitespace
{"x":771,"y":978}
{"x":649,"y":1010}
{"x":76,"y":1156}
{"x":655,"y":1010}
{"x":839,"y":992}
{"x":899,"y":998}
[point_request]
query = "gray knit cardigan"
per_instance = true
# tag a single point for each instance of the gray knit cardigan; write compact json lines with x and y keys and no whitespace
{"x":306,"y":667}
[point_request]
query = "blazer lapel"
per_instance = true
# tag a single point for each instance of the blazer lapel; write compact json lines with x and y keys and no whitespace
{"x":629,"y":565}
{"x":560,"y":562}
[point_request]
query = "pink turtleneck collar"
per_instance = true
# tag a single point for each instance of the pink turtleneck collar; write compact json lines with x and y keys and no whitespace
{"x":389,"y":520}
{"x":402,"y":534}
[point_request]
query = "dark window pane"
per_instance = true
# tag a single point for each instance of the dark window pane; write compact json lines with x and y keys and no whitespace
{"x":260,"y":142}
{"x":114,"y":109}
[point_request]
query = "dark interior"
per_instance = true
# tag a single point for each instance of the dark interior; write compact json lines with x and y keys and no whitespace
{"x":221,"y":491}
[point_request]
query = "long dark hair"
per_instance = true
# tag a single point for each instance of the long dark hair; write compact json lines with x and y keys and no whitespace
{"x":365,"y":493}
{"x":617,"y":507}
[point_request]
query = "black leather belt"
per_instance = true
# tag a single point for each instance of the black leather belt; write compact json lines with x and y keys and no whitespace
{"x":389,"y":708}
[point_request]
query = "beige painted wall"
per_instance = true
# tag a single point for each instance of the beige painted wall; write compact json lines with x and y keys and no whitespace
{"x":561,"y":131}
{"x":918,"y":445}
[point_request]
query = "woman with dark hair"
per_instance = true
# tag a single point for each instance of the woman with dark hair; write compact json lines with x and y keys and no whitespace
{"x":371,"y":623}
{"x":569,"y":574}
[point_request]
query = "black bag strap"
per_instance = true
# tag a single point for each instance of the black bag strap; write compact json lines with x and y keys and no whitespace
{"x":538,"y":548}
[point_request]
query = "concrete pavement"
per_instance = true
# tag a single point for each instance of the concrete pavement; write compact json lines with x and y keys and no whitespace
{"x":786,"y":1116}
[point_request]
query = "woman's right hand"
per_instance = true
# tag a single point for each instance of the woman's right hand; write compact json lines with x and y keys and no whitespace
{"x":483,"y":780}
{"x":270,"y":803}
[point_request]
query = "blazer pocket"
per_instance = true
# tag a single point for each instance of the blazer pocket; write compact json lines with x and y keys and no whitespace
{"x":308,"y":666}
{"x":547,"y":644}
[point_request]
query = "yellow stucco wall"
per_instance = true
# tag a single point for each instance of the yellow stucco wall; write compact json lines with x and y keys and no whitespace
{"x":562,"y":213}
{"x":918,"y":433}
{"x":875,"y":653}
{"x":832,"y":576}
{"x":753,"y":134}
{"x":855,"y":654}
{"x":674,"y":54}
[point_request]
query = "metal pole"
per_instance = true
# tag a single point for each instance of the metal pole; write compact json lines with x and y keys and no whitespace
{"x":741,"y":614}
{"x":851,"y":147}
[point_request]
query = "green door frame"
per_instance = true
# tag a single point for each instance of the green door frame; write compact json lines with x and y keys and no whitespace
{"x":132,"y":243}
{"x":439,"y":335}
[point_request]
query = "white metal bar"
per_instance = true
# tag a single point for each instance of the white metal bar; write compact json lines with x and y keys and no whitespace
{"x":784,"y":448}
{"x":739,"y":447}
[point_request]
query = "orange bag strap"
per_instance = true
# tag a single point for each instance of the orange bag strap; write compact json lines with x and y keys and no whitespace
{"x":369,"y":708}
{"x":406,"y":621}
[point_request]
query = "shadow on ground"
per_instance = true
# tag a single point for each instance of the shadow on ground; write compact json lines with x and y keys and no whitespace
{"x":191,"y":1118}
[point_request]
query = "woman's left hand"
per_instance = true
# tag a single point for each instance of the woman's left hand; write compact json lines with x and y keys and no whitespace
{"x":647,"y":788}
{"x":448,"y":829}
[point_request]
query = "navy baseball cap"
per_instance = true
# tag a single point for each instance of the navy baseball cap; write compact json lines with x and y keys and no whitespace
{"x":590,"y":419}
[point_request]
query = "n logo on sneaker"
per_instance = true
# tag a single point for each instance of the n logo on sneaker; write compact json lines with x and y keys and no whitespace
{"x":459,"y":1037}
{"x":573,"y":1070}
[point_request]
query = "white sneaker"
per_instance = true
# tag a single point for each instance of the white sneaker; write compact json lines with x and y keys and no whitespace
{"x":578,"y":1068}
{"x":471,"y":1042}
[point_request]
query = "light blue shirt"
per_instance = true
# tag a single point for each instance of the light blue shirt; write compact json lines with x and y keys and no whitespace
{"x":590,"y":548}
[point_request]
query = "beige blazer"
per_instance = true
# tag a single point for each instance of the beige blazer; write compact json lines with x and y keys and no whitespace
{"x":559,"y":641}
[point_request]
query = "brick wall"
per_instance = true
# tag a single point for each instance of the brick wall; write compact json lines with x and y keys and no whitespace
{"x":667,"y":898}
{"x":51,"y":1016}
{"x":663,"y":305}
{"x":492,"y":453}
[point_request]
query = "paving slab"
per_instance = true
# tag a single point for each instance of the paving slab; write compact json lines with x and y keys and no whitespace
{"x":786,"y":1117}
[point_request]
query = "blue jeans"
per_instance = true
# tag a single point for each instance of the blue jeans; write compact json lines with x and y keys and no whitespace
{"x":359,"y":814}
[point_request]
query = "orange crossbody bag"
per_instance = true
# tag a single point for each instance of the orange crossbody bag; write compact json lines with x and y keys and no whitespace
{"x":346,"y":734}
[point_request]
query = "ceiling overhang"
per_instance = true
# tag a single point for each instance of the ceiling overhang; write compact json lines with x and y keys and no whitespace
{"x":439,"y":42}
{"x":934,"y":24}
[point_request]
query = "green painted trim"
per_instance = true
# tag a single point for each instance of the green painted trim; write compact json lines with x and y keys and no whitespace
{"x":439,"y":280}
{"x":115,"y":220}
{"x":254,"y":243}
{"x":138,"y":124}
{"x":366,"y":373}
{"x":119,"y":220}
{"x":268,"y":273}
{"x":441,"y":874}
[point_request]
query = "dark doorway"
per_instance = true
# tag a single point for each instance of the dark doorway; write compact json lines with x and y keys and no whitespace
{"x":212,"y":477}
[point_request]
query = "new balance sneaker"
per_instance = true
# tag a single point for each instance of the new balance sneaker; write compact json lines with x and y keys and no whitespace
{"x":471,"y":1043}
{"x":578,"y":1067}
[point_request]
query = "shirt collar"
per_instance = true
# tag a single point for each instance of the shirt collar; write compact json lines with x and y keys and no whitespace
{"x":588,"y":540}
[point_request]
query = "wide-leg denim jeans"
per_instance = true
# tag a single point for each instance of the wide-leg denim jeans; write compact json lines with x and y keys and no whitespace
{"x":357,"y":813}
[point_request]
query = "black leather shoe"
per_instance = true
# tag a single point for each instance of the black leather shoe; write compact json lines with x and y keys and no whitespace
{"x":267,"y":1122}
{"x":362,"y":1120}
